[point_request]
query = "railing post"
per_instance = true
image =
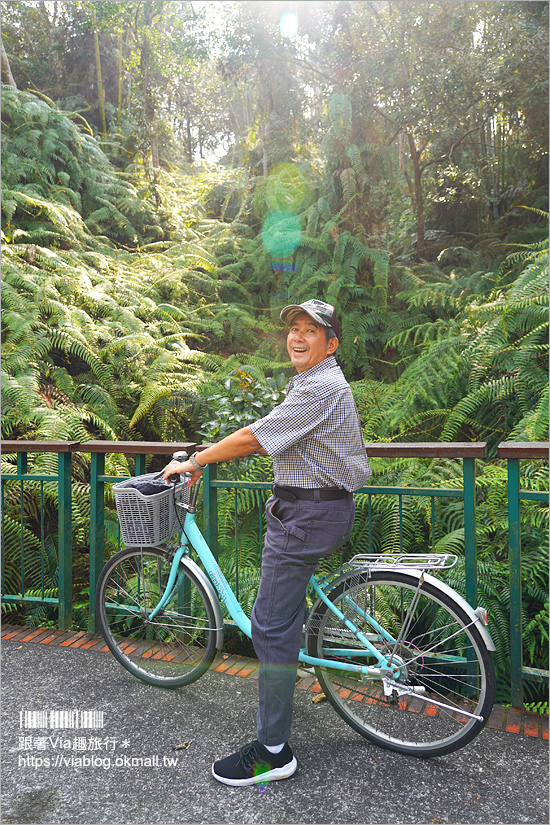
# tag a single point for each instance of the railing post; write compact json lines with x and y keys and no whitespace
{"x":210,"y":508}
{"x":140,"y":464}
{"x":514,"y":542}
{"x":65,"y":540}
{"x":470,"y":559}
{"x":97,"y":531}
{"x":22,"y":465}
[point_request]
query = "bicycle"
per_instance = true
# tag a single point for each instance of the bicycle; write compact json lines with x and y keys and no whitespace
{"x":400,"y":656}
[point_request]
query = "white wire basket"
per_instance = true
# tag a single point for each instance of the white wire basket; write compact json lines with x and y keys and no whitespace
{"x":149,"y":520}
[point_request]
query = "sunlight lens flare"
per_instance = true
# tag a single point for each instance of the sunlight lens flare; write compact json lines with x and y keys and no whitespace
{"x":282,"y":196}
{"x":289,"y":25}
{"x":281,"y":234}
{"x":285,"y":188}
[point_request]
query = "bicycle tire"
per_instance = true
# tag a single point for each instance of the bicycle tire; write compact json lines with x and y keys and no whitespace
{"x":178,"y":645}
{"x":443,"y":652}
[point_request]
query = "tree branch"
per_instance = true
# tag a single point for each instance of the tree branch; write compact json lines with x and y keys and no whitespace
{"x":451,"y":150}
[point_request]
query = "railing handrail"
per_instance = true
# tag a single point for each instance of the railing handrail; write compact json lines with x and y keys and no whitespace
{"x":27,"y":446}
{"x":126,"y":447}
{"x":523,"y":449}
{"x":137,"y":447}
{"x":434,"y":449}
{"x":376,"y":449}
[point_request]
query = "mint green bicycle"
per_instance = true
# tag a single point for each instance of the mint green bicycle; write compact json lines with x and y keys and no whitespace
{"x":401,"y":656}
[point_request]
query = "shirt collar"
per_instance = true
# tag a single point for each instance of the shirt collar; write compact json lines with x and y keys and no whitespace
{"x":324,"y":365}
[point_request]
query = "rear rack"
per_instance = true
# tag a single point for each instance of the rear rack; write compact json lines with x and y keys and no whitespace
{"x":428,"y":561}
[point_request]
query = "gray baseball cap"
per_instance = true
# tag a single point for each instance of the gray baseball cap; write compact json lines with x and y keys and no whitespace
{"x":320,"y":311}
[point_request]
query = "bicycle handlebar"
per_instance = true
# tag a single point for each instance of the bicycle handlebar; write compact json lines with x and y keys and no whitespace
{"x":180,"y":455}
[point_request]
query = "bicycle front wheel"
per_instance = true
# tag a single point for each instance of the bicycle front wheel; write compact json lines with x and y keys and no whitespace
{"x":178,"y":644}
{"x":445,"y":674}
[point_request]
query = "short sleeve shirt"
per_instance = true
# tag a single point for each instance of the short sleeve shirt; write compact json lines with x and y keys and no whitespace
{"x":315,"y":435}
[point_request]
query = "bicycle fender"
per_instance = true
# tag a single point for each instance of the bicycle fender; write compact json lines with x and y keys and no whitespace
{"x":466,"y":606}
{"x":212,"y":596}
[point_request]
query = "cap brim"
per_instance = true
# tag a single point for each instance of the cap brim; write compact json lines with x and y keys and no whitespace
{"x":292,"y":310}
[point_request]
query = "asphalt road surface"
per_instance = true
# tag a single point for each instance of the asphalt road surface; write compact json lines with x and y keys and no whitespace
{"x":151,"y":760}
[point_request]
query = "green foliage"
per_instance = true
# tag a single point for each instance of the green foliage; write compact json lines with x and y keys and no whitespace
{"x":250,"y":396}
{"x":477,"y":371}
{"x":133,"y":285}
{"x":96,"y":337}
{"x":57,"y":183}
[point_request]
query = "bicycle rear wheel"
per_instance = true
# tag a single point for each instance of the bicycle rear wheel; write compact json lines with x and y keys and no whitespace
{"x":441,"y":651}
{"x":175,"y":647}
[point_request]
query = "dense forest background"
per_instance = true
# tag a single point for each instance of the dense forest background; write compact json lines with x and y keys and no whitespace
{"x":173,"y":173}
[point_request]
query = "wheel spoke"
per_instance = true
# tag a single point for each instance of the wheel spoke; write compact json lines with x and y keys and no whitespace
{"x":429,"y":641}
{"x":174,"y":647}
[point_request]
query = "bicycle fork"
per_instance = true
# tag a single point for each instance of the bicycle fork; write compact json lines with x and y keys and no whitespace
{"x":171,"y":585}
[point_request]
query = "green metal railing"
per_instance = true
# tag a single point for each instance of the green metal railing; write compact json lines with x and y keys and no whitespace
{"x":513,"y":453}
{"x":467,"y":452}
{"x":64,"y":450}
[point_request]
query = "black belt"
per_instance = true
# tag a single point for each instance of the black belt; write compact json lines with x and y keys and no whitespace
{"x":324,"y":493}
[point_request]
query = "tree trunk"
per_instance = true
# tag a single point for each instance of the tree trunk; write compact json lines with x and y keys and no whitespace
{"x":265,"y":164}
{"x":98,"y":74}
{"x":6,"y":68}
{"x":147,"y":92}
{"x":155,"y":157}
{"x":188,"y":139}
{"x":418,"y":198}
{"x":119,"y":104}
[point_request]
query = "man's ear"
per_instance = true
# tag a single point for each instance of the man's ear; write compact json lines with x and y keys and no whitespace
{"x":332,"y":346}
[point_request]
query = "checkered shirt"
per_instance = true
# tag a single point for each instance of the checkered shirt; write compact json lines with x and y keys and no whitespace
{"x":315,"y":435}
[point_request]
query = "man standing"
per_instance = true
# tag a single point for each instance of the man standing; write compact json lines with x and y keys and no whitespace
{"x":319,"y":459}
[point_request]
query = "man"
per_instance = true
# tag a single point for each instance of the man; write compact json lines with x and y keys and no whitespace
{"x":319,"y":459}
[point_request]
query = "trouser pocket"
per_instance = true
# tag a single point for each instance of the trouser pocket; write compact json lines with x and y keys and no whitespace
{"x":321,"y":527}
{"x":330,"y":529}
{"x":289,"y":525}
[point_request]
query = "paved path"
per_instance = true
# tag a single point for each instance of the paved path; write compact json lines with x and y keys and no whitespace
{"x":129,"y":772}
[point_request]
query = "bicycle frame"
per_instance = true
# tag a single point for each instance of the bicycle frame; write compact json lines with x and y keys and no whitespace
{"x":192,"y":535}
{"x":387,"y":671}
{"x":380,"y":629}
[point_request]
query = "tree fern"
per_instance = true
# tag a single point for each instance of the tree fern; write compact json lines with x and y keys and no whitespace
{"x":340,"y":116}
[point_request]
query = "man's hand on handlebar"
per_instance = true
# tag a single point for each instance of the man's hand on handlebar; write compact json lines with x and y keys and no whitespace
{"x":178,"y":467}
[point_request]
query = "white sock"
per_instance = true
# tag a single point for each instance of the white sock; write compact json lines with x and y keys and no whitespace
{"x":274,"y":748}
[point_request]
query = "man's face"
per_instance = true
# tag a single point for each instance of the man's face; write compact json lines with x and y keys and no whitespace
{"x":307,"y":344}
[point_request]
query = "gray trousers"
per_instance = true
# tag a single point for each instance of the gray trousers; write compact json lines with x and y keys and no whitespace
{"x":298,"y":534}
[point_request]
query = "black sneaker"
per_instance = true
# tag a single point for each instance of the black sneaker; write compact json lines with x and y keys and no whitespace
{"x":254,"y":764}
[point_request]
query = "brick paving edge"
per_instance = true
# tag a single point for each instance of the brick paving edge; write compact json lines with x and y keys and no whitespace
{"x":507,"y":719}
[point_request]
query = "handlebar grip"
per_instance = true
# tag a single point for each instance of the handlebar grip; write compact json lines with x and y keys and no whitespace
{"x":174,"y":479}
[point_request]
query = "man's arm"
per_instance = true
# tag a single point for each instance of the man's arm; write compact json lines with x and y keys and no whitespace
{"x":236,"y":445}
